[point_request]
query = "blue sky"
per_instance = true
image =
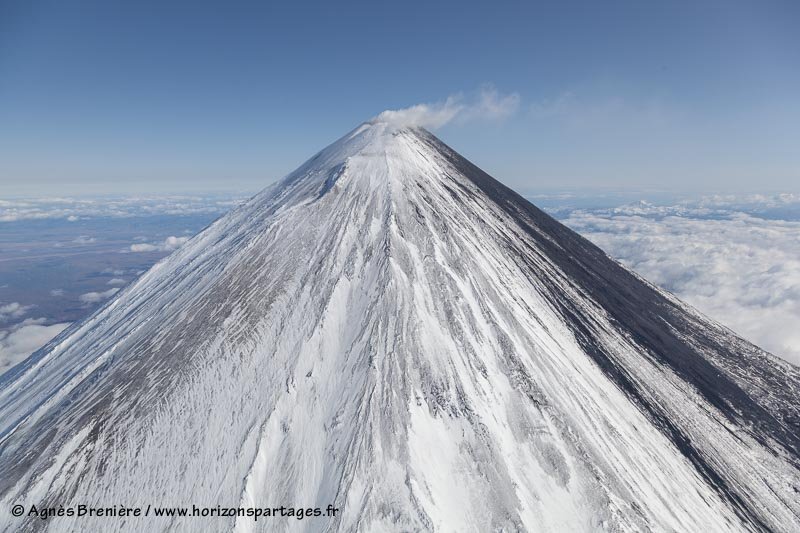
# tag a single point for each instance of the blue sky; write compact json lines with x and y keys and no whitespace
{"x":106,"y":97}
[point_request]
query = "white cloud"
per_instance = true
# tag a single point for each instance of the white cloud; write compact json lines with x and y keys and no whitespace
{"x":94,"y":297}
{"x":57,"y":292}
{"x":170,"y":244}
{"x":488,"y":104}
{"x":84,"y":239}
{"x":13,"y":310}
{"x":741,"y":270}
{"x":81,"y":208}
{"x":173,"y":243}
{"x":144,"y":247}
{"x":116,"y":281}
{"x":21,"y":341}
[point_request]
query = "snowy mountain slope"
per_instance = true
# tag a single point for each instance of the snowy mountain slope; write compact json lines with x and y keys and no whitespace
{"x":390,"y":330}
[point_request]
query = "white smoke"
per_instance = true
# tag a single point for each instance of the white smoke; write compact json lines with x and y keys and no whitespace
{"x":488,"y":104}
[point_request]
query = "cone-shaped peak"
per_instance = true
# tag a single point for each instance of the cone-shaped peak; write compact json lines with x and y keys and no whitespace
{"x":374,"y":152}
{"x":376,"y":135}
{"x":392,"y":332}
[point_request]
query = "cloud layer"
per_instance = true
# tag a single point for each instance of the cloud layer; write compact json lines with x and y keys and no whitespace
{"x":739,"y":269}
{"x":75,"y":209}
{"x":488,"y":104}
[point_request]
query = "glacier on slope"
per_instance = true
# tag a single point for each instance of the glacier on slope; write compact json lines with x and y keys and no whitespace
{"x":391,"y":330}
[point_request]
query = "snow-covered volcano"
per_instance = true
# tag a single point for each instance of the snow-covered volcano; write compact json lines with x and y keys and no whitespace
{"x":392,"y":331}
